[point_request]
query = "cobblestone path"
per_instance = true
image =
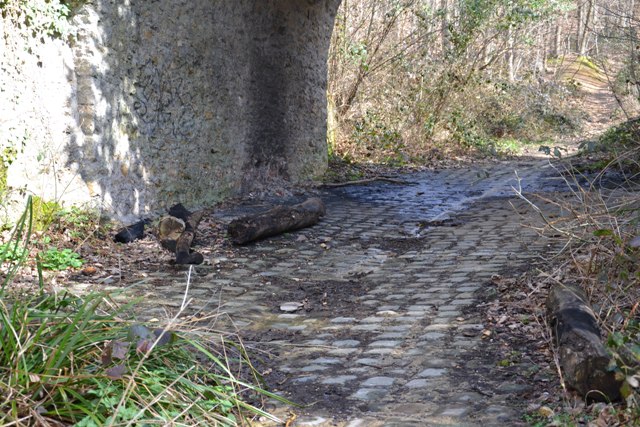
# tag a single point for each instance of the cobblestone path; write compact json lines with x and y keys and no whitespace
{"x":390,"y":333}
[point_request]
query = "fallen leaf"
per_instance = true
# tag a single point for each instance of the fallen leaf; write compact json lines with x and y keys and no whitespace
{"x":120,"y":349}
{"x":116,"y":372}
{"x":144,"y":346}
{"x":89,"y":271}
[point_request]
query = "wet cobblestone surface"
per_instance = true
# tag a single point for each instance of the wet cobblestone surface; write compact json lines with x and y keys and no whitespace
{"x":390,"y":331}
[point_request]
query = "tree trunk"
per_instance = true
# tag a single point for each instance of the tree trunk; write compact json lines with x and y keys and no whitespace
{"x":579,"y":29}
{"x":276,"y":221}
{"x":444,"y":26}
{"x":555,"y":50}
{"x":511,"y":55}
{"x":583,"y":358}
{"x":586,"y":24}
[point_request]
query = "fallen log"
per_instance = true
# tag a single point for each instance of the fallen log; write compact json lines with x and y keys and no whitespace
{"x":177,"y":232}
{"x":583,"y":358}
{"x":276,"y":221}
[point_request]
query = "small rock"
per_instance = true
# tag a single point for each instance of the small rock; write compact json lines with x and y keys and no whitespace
{"x":290,"y":307}
{"x":386,"y":313}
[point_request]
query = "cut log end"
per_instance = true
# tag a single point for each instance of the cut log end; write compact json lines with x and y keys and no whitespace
{"x":177,"y":233}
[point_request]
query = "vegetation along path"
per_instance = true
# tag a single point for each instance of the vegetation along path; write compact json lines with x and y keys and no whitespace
{"x":389,"y":295}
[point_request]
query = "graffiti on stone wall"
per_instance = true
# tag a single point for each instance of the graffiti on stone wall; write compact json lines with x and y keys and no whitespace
{"x":164,"y":101}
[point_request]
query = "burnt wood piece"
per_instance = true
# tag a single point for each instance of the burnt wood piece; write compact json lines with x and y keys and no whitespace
{"x":179,"y":211}
{"x":182,"y":244}
{"x":583,"y":358}
{"x":131,"y":232}
{"x":275,"y":221}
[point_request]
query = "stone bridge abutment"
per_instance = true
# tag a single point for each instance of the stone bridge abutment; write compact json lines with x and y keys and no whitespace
{"x":173,"y":101}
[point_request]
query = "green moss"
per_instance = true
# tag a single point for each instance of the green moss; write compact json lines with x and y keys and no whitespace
{"x":586,"y":62}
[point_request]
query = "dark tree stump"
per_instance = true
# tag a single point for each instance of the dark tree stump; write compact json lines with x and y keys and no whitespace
{"x":276,"y":221}
{"x":583,"y":358}
{"x":178,"y":231}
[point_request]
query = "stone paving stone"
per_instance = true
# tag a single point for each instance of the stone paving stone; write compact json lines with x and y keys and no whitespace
{"x":420,"y":308}
{"x":432,"y":372}
{"x":389,"y":308}
{"x":446,"y":321}
{"x":313,"y":368}
{"x":431,"y":336}
{"x":340,"y":379}
{"x":454,"y":411}
{"x":371,"y":327}
{"x":450,"y":313}
{"x":362,"y":370}
{"x":345,"y":343}
{"x":373,"y":319}
{"x":343,"y":320}
{"x":467,"y":301}
{"x":391,"y":335}
{"x":438,"y":327}
{"x":305,"y":379}
{"x":369,"y":394}
{"x":379,"y":351}
{"x":368,"y":361}
{"x":326,"y":360}
{"x":343,"y":351}
{"x":379,"y":382}
{"x":417,"y":383}
{"x":398,"y":328}
{"x":407,"y":319}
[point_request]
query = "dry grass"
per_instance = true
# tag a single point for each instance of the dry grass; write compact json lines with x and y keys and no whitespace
{"x":599,"y":220}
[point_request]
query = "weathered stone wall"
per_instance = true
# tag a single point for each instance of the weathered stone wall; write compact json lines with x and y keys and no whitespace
{"x":189,"y":101}
{"x":37,"y":85}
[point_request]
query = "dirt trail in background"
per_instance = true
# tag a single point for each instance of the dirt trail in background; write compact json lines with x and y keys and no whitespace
{"x":598,"y":99}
